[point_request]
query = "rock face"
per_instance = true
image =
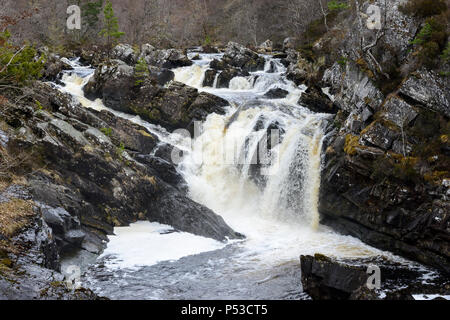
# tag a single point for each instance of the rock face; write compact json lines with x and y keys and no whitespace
{"x":95,"y":177}
{"x":324,"y":278}
{"x":29,"y":259}
{"x":385,"y":174}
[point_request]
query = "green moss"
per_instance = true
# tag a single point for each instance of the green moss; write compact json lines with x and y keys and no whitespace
{"x":351,"y":142}
{"x":6,"y":262}
{"x":106,"y":131}
{"x":145,"y":133}
{"x":321,"y":258}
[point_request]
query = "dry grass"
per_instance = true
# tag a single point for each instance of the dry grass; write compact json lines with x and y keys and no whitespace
{"x":14,"y":216}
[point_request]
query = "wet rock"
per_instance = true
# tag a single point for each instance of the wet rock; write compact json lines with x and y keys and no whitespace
{"x":315,"y":100}
{"x":277,"y":93}
{"x":54,"y":65}
{"x":298,"y":73}
{"x":324,"y":278}
{"x":172,"y":208}
{"x":240,"y":57}
{"x":218,"y":65}
{"x":223,"y":81}
{"x":111,"y":82}
{"x":210,"y":77}
{"x":205,"y":104}
{"x":65,"y":227}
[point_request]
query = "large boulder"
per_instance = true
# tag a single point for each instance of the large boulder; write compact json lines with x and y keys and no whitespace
{"x":210,"y":77}
{"x":266,"y":46}
{"x":276,"y":93}
{"x":315,"y":100}
{"x":245,"y":59}
{"x":126,"y":53}
{"x":325,"y":278}
{"x":166,"y":58}
{"x":54,"y":65}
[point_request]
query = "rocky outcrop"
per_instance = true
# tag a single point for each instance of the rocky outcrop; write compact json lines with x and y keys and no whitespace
{"x":29,"y":258}
{"x":276,"y":93}
{"x":325,"y":278}
{"x":429,"y":90}
{"x":93,"y":178}
{"x":126,"y":53}
{"x":164,"y":58}
{"x":385,"y":174}
{"x":315,"y":100}
{"x":240,"y":57}
{"x":176,"y":106}
{"x":266,"y":46}
{"x":386,"y":168}
{"x":54,"y":65}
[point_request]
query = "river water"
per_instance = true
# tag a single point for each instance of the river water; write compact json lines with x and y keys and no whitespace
{"x":279,"y":217}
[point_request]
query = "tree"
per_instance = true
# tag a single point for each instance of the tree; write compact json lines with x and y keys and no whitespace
{"x":332,"y":6}
{"x":18,"y":65}
{"x":90,"y":13}
{"x":110,"y":27}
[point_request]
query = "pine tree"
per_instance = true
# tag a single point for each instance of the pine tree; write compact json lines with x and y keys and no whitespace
{"x":141,"y":71}
{"x":91,"y":12}
{"x":110,"y":26}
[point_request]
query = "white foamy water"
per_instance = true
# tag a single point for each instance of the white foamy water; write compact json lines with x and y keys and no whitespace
{"x":146,"y":244}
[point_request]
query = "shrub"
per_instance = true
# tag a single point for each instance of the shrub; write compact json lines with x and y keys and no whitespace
{"x":432,"y":39}
{"x":424,"y":8}
{"x":337,"y":5}
{"x":18,"y":65}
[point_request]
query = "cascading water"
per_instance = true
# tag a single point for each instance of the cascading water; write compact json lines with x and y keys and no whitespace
{"x":275,"y":205}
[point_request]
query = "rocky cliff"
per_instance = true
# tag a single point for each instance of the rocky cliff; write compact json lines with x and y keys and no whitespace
{"x":386,"y":163}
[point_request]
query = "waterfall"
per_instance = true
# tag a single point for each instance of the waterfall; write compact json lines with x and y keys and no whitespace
{"x":287,"y":189}
{"x":273,"y":201}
